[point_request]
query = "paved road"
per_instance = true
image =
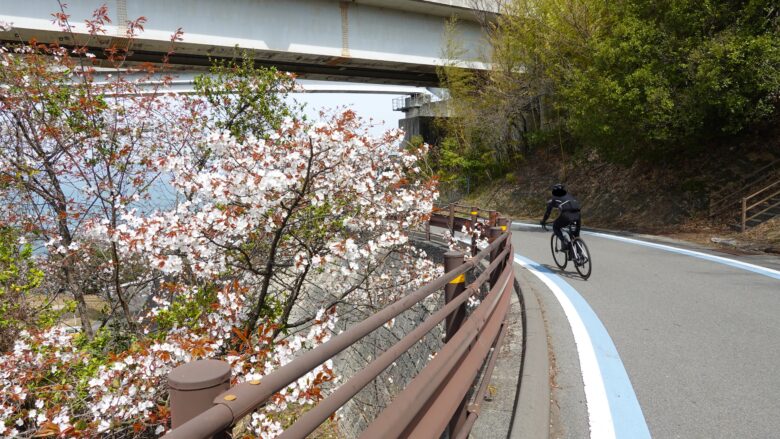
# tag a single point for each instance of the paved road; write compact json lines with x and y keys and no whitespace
{"x":699,"y":340}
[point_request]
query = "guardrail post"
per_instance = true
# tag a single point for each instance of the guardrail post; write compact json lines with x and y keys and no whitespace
{"x":493,"y":234}
{"x":192,"y":388}
{"x":503,"y":223}
{"x":452,"y":219}
{"x":453,"y":260}
{"x":474,"y":232}
{"x":493,"y":215}
{"x":744,"y":214}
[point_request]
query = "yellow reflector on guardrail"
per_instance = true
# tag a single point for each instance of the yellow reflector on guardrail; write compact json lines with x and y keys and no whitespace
{"x":473,"y":212}
{"x":503,"y":228}
{"x":459,"y":280}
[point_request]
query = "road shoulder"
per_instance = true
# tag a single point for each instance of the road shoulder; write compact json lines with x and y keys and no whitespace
{"x":567,"y":411}
{"x":533,"y":408}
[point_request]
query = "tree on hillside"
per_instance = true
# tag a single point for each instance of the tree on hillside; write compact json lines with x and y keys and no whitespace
{"x":632,"y":80}
{"x":669,"y":78}
{"x":484,"y":133}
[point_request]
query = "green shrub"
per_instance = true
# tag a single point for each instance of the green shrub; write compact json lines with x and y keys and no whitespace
{"x":19,"y":276}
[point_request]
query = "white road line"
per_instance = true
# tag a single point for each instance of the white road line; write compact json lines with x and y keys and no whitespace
{"x":613,"y":409}
{"x":696,"y":254}
{"x":599,"y":414}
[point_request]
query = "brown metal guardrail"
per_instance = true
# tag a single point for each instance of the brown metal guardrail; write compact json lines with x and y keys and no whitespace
{"x":767,"y":203}
{"x":727,"y":198}
{"x":436,"y":400}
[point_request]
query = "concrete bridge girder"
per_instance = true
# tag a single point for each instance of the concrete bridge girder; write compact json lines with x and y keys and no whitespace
{"x":380,"y":41}
{"x":183,"y":82}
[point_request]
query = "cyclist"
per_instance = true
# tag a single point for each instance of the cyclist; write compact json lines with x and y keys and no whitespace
{"x":569,"y":213}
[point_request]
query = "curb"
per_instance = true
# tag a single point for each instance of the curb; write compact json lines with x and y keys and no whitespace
{"x":531,"y":419}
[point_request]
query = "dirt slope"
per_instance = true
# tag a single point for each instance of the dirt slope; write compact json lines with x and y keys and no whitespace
{"x":667,"y":199}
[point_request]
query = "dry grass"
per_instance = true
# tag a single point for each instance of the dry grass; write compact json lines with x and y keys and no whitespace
{"x":767,"y":232}
{"x":666,"y":200}
{"x":763,"y":238}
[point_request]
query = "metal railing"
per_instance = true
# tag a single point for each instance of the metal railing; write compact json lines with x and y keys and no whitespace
{"x":767,"y":203}
{"x":416,"y":100}
{"x":728,"y":197}
{"x":438,"y":399}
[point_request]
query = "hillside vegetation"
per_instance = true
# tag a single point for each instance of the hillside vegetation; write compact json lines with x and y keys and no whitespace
{"x":642,"y":198}
{"x":646,"y":106}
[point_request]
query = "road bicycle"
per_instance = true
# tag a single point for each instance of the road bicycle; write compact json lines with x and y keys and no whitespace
{"x":574,"y":249}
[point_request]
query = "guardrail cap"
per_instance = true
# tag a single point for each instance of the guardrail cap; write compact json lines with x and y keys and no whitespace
{"x":200,"y":374}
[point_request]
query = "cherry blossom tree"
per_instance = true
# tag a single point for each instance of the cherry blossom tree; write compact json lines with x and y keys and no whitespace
{"x":126,"y":394}
{"x":273,"y":227}
{"x":314,"y":201}
{"x":75,"y":151}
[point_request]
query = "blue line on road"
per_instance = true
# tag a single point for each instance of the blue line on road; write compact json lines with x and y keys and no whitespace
{"x":613,"y":409}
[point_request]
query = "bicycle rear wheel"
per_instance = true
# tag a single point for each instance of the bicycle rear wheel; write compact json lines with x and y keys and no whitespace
{"x":558,"y":252}
{"x":582,"y":261}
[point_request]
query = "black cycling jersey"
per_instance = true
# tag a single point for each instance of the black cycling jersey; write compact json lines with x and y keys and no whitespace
{"x":570,"y":214}
{"x":567,"y":205}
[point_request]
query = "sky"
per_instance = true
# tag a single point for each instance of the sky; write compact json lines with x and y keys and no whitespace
{"x":375,"y":106}
{"x":378,"y":107}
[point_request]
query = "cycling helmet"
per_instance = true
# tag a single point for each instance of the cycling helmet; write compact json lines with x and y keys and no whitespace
{"x":558,"y":190}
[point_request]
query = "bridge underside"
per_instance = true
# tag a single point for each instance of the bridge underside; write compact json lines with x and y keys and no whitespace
{"x":374,"y":41}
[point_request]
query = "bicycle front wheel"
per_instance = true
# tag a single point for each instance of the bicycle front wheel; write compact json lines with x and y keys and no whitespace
{"x":582,"y":260}
{"x":558,"y":252}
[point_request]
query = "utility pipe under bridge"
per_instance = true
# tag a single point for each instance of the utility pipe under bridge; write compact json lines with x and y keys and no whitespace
{"x":381,"y":41}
